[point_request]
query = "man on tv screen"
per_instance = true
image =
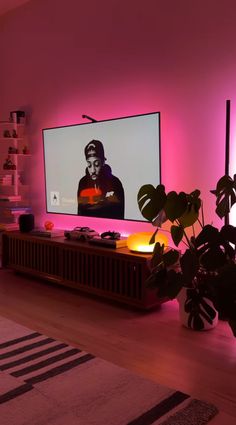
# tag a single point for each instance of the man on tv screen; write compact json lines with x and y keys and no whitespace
{"x":100,"y":194}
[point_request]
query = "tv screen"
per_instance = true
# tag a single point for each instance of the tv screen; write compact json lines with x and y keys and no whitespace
{"x":96,"y":169}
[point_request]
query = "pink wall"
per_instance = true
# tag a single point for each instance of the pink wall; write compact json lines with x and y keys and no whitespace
{"x":109,"y":58}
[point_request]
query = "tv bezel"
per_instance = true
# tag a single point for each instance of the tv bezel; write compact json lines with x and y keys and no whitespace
{"x":94,"y":121}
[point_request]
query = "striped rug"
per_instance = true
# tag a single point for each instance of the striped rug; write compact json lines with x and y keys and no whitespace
{"x":47,"y":382}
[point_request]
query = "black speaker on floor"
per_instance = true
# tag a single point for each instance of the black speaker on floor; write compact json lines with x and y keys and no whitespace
{"x":26,"y":222}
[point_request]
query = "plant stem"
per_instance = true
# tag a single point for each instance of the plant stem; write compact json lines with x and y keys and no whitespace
{"x":200,"y":223}
{"x":185,"y":244}
{"x":202,"y":212}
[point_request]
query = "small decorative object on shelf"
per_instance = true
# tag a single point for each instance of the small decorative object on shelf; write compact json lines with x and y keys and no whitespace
{"x":12,"y":150}
{"x":80,"y":234}
{"x":14,"y":183}
{"x":26,"y":222}
{"x":6,"y":133}
{"x":48,"y":225}
{"x":110,"y":235}
{"x":8,"y":164}
{"x":25,"y":150}
{"x":5,"y":179}
{"x":18,"y":115}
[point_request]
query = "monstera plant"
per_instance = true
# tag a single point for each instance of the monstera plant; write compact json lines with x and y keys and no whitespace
{"x":207,"y":264}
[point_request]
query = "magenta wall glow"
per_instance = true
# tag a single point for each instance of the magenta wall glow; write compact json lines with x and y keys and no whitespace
{"x":109,"y":59}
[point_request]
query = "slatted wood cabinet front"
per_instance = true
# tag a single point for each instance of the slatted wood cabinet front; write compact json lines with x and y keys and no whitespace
{"x":110,"y":273}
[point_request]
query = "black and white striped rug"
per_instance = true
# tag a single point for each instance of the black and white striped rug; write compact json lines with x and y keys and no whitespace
{"x":48,"y":382}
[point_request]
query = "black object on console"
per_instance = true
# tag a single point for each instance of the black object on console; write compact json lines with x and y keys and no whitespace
{"x":26,"y":222}
{"x":110,"y":235}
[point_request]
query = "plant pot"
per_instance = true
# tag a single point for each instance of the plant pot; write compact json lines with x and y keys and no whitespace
{"x":196,"y":311}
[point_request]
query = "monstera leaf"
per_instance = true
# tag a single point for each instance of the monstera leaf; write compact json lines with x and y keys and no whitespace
{"x":189,"y":265}
{"x":225,"y":193}
{"x":163,"y":277}
{"x":214,"y":247}
{"x":174,"y":283}
{"x":183,"y":207}
{"x":176,"y":205}
{"x":177,"y":233}
{"x":164,"y":258}
{"x":209,"y":234}
{"x":167,"y":283}
{"x":191,"y":214}
{"x":157,"y":255}
{"x":171,"y":257}
{"x":151,"y":201}
{"x":213,"y":258}
{"x":189,"y":217}
{"x":228,"y":232}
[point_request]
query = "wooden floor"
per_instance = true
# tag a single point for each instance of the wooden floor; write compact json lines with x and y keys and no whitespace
{"x":152,"y":344}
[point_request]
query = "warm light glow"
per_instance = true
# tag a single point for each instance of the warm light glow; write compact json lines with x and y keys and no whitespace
{"x":140,"y":241}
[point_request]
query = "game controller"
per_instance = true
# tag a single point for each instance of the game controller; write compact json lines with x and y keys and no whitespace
{"x":110,"y":235}
{"x":80,"y":234}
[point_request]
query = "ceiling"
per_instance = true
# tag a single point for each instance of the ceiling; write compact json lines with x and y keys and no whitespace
{"x":7,"y":5}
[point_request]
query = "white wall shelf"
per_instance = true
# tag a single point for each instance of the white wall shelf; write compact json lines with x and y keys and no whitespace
{"x":14,"y":185}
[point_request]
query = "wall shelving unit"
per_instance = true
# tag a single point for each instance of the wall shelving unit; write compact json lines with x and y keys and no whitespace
{"x":14,"y":166}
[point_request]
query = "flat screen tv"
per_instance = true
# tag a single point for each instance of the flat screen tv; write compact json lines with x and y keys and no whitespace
{"x":96,"y":169}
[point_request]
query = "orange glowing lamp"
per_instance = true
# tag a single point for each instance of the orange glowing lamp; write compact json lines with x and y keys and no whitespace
{"x":139,"y":242}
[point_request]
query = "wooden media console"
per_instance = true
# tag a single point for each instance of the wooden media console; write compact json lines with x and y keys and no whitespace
{"x":115,"y":274}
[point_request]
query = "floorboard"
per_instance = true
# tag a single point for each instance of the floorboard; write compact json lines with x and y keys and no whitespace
{"x":152,"y":344}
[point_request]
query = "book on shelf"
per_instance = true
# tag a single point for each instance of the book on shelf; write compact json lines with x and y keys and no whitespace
{"x":9,"y":226}
{"x":15,"y":212}
{"x":13,"y":208}
{"x":5,"y":180}
{"x":9,"y":204}
{"x":112,"y":243}
{"x":10,"y":197}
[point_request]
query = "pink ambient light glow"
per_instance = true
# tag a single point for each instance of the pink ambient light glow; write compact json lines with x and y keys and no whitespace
{"x":157,"y":62}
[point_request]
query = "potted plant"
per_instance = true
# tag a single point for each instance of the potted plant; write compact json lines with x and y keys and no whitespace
{"x":206,"y":270}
